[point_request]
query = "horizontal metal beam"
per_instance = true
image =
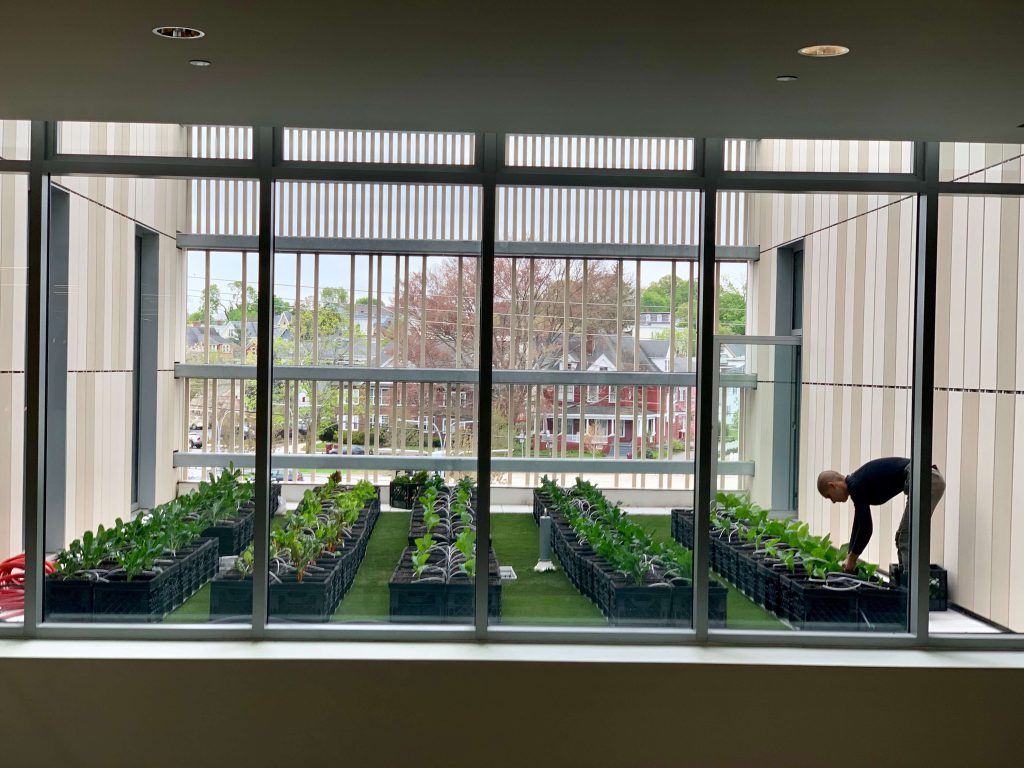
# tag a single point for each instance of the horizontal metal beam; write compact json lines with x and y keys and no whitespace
{"x":457,"y":463}
{"x":811,"y":182}
{"x":980,"y":188}
{"x":456,"y":375}
{"x":609,"y":178}
{"x":326,"y":461}
{"x":328,"y":373}
{"x":380,"y":173}
{"x":14,"y":166}
{"x":187,"y":240}
{"x":615,"y":466}
{"x":781,"y":341}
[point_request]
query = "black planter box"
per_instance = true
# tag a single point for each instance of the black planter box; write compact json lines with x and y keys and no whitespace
{"x":938,"y":586}
{"x":232,"y":536}
{"x":316,"y":597}
{"x":435,"y":601}
{"x":403,"y":495}
{"x":812,"y":606}
{"x":542,"y":502}
{"x":883,"y":610}
{"x":67,"y":599}
{"x":145,"y":598}
{"x":682,"y":526}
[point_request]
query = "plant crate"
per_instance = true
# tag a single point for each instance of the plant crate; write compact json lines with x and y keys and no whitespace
{"x":938,"y":585}
{"x":812,"y":606}
{"x":403,"y":495}
{"x":316,"y":597}
{"x":435,"y":601}
{"x":542,"y":502}
{"x":682,"y":526}
{"x":232,"y":536}
{"x":883,"y":610}
{"x":145,"y":598}
{"x":718,"y":595}
{"x":67,"y":599}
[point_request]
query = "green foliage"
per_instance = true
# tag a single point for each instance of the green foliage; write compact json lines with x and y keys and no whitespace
{"x":788,"y":541}
{"x":626,"y":545}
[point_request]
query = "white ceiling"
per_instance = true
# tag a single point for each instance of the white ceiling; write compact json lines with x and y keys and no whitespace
{"x":917,"y":70}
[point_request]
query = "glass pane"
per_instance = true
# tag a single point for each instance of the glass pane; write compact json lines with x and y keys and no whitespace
{"x":977,"y":162}
{"x":398,"y":147}
{"x":373,"y":526}
{"x":154,"y":140}
{"x":622,"y":152}
{"x":594,"y":353}
{"x":13,"y":285}
{"x":135,"y":534}
{"x":979,"y":416}
{"x":15,"y":139}
{"x":835,"y":401}
{"x":819,"y":155}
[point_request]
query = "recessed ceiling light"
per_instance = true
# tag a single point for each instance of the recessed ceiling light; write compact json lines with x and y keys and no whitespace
{"x":178,"y":33}
{"x":199,"y":62}
{"x":786,"y":78}
{"x":824,"y":51}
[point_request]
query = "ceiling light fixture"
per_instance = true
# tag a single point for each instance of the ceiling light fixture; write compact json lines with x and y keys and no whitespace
{"x":178,"y":33}
{"x":786,"y":78}
{"x":824,"y":51}
{"x":199,"y":62}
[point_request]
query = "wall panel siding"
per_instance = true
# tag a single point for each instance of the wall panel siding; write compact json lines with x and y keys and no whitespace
{"x":13,"y":286}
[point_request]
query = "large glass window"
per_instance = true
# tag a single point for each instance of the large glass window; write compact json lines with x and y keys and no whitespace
{"x":136,"y":531}
{"x":828,"y":390}
{"x":374,"y":407}
{"x":978,"y":433}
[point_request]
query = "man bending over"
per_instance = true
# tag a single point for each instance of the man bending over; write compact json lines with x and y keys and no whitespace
{"x":875,"y":483}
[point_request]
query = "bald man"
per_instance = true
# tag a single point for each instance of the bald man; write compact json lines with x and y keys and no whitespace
{"x":875,"y":483}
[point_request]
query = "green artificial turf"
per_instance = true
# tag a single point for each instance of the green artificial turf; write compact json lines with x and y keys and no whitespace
{"x":533,"y":598}
{"x":368,"y":599}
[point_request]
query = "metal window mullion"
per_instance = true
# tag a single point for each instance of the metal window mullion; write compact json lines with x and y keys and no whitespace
{"x":485,"y":366}
{"x":263,"y":151}
{"x":924,"y":391}
{"x":706,"y":395}
{"x":35,"y":378}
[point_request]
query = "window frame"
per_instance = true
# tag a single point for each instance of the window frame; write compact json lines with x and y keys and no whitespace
{"x":709,"y":176}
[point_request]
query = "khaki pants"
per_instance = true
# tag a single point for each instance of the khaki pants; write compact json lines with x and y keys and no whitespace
{"x":903,"y":532}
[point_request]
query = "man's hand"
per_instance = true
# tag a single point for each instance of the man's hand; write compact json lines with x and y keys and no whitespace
{"x":850,"y":564}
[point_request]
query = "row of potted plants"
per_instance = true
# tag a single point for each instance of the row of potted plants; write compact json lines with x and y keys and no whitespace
{"x":314,"y":555}
{"x":794,"y":574}
{"x":141,"y":569}
{"x":614,"y":561}
{"x":434,"y":579}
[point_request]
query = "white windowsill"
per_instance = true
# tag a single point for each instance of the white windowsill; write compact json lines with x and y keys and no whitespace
{"x":501,"y":652}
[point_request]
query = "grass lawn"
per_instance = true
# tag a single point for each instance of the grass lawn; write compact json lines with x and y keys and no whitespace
{"x":534,"y":598}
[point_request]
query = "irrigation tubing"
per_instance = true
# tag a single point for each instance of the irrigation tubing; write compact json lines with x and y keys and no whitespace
{"x":12,"y":586}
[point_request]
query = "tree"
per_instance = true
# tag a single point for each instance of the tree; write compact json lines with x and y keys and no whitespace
{"x":537,"y":308}
{"x":732,"y":309}
{"x":213,"y":295}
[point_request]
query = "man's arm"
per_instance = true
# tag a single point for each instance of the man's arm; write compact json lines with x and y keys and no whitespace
{"x":860,"y":535}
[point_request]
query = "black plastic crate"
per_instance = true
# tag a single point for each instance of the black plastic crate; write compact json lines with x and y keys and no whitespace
{"x":144,"y":598}
{"x":813,"y":606}
{"x":67,"y":599}
{"x":938,"y":585}
{"x":232,"y":536}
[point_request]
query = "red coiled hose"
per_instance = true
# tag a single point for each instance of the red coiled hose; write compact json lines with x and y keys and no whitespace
{"x":12,"y":586}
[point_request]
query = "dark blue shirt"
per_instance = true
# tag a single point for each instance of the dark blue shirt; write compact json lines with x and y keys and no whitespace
{"x":875,"y":483}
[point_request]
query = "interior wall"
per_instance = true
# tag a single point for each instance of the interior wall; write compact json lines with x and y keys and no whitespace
{"x":502,"y":713}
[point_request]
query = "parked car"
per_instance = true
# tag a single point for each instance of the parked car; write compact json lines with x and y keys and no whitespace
{"x":356,"y":450}
{"x":195,"y":439}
